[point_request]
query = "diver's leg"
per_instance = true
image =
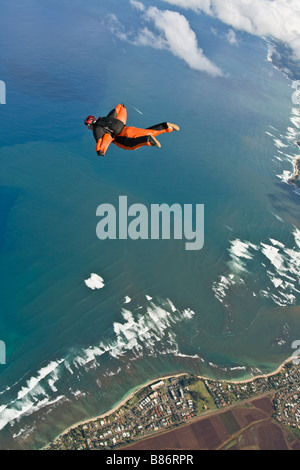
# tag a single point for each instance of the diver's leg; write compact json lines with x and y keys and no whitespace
{"x":163,"y":127}
{"x":131,"y":132}
{"x":133,"y":143}
{"x":131,"y":138}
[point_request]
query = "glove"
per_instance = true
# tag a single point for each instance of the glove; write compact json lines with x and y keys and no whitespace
{"x":100,"y":153}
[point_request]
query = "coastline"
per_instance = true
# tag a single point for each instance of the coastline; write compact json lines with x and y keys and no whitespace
{"x":147,"y":384}
{"x":295,"y":178}
{"x":270,"y":374}
{"x":116,"y":407}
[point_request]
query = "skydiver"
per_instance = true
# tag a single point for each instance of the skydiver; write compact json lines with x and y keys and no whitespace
{"x":113,"y":129}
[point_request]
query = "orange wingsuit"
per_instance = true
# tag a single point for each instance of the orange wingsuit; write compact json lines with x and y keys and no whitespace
{"x":113,"y":129}
{"x":120,"y":114}
{"x":132,"y":138}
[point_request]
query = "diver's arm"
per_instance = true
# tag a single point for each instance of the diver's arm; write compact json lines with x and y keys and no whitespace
{"x":119,"y":112}
{"x":98,"y":133}
{"x":112,"y":113}
{"x":103,"y":144}
{"x":98,"y":147}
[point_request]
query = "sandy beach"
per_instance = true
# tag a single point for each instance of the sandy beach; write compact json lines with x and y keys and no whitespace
{"x":280,"y":368}
{"x":119,"y":405}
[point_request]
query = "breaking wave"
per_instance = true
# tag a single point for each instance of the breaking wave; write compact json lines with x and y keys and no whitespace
{"x":277,"y":265}
{"x":287,"y":151}
{"x":150,"y":332}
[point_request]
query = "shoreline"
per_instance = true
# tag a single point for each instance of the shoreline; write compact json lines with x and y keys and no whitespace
{"x":147,"y":384}
{"x":116,"y":407}
{"x":277,"y":371}
{"x":295,"y":178}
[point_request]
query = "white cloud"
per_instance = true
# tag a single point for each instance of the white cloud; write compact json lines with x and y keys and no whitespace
{"x":279,"y":19}
{"x":145,"y":37}
{"x":172,"y":31}
{"x":116,"y":27}
{"x":138,"y":5}
{"x":231,"y":37}
{"x":181,"y":39}
{"x":95,"y":282}
{"x":197,"y":5}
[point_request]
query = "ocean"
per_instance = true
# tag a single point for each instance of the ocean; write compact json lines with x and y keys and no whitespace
{"x":230,"y":310}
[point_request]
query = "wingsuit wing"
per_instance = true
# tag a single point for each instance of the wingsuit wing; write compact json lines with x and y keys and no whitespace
{"x":108,"y":127}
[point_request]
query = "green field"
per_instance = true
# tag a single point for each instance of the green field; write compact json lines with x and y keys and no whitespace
{"x":202,"y":399}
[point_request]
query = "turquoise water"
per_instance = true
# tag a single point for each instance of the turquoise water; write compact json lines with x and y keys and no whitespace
{"x":228,"y":310}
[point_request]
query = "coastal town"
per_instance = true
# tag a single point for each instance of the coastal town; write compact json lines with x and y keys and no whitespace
{"x":174,"y":401}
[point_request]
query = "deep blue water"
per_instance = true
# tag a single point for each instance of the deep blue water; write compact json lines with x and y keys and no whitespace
{"x":228,"y":310}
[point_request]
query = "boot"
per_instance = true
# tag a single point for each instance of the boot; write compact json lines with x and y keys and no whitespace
{"x":173,"y":126}
{"x":154,"y":142}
